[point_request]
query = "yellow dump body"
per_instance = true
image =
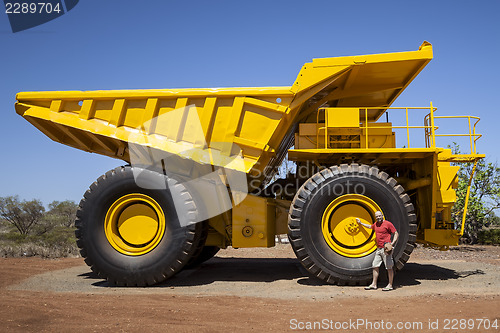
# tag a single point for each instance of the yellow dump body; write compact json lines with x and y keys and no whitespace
{"x":259,"y":121}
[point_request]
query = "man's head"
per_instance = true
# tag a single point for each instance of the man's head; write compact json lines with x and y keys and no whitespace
{"x":379,"y":217}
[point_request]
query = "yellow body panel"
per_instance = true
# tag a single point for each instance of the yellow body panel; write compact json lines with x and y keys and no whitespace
{"x":254,"y":223}
{"x":382,"y":155}
{"x":342,"y":117}
{"x":309,"y":137}
{"x":447,"y":183}
{"x":441,"y":237}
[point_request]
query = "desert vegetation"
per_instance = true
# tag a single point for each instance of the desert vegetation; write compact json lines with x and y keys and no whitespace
{"x":27,"y":228}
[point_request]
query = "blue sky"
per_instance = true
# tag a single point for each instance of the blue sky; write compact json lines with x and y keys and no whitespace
{"x":114,"y":44}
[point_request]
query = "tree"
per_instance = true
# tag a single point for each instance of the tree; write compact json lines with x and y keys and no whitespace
{"x":64,"y":213}
{"x":24,"y":215}
{"x":484,"y":196}
{"x":60,"y":214}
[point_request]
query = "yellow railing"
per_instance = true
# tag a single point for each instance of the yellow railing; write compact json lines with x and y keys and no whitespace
{"x":473,"y":136}
{"x":429,"y":126}
{"x":407,"y":126}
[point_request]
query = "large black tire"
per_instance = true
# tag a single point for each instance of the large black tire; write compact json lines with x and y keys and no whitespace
{"x":171,"y":253}
{"x":199,"y":248}
{"x":313,"y":198}
{"x":206,"y":253}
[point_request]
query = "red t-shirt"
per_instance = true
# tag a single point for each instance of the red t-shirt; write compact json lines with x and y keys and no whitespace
{"x":383,"y":232}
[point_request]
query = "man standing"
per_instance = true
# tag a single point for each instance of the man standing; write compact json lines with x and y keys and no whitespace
{"x":383,"y":231}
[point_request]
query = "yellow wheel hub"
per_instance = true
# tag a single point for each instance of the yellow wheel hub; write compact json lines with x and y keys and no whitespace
{"x":134,"y":224}
{"x":340,"y":229}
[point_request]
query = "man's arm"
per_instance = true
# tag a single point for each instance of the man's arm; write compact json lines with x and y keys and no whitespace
{"x":395,"y":239}
{"x":363,"y":224}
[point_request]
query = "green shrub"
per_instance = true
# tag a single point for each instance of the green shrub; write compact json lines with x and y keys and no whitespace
{"x":489,"y":236}
{"x":59,"y":242}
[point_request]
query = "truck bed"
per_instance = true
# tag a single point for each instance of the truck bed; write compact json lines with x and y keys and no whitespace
{"x":254,"y":123}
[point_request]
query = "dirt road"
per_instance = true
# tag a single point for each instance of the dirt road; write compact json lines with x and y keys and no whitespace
{"x":255,"y":290}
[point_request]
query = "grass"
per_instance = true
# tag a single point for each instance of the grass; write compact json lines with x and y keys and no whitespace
{"x":58,"y":243}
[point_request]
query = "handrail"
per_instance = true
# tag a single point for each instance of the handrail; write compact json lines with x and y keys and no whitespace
{"x":473,"y":137}
{"x":429,"y":126}
{"x":407,"y":125}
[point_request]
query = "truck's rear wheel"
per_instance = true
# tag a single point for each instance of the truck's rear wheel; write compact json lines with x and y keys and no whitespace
{"x":322,"y":228}
{"x":131,"y":235}
{"x":206,"y":253}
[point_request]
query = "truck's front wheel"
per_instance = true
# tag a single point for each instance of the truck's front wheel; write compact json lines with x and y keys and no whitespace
{"x":130,"y":234}
{"x":322,"y":227}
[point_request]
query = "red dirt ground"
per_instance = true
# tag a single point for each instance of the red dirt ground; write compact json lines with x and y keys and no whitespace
{"x":28,"y":311}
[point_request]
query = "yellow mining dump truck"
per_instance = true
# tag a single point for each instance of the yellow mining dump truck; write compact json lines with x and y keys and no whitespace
{"x":201,"y":165}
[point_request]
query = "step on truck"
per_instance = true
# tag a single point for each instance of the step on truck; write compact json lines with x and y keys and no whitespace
{"x":200,"y":168}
